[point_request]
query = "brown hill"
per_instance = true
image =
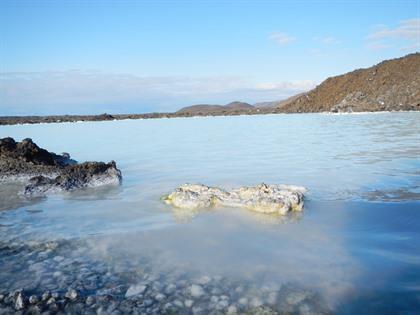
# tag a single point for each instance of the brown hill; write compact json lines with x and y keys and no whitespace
{"x":201,"y":108}
{"x":277,"y":104}
{"x":390,"y":85}
{"x":204,"y":109}
{"x":238,"y":105}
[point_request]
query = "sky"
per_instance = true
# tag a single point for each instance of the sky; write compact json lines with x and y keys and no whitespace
{"x":91,"y":56}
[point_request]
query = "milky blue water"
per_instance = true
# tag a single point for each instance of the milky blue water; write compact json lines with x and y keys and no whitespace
{"x":357,"y":241}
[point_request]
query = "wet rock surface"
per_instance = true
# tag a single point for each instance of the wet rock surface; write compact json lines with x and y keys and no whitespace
{"x":49,"y":172}
{"x":88,"y":174}
{"x":263,"y":198}
{"x":29,"y":152}
{"x":59,"y":277}
{"x":25,"y":159}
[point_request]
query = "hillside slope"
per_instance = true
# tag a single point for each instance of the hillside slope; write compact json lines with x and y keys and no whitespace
{"x":234,"y":107}
{"x":277,"y":104}
{"x":390,"y":85}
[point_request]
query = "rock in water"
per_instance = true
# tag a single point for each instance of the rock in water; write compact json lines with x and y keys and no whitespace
{"x":275,"y":199}
{"x":71,"y":294}
{"x":20,"y":300}
{"x":88,"y":174}
{"x":196,"y":291}
{"x":33,"y":299}
{"x":49,"y":172}
{"x":135,"y":290}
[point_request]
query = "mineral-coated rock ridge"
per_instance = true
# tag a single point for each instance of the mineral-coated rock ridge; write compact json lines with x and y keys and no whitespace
{"x":45,"y":171}
{"x":275,"y":199}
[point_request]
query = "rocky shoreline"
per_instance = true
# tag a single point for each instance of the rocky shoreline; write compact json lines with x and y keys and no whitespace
{"x":19,"y":120}
{"x":46,"y":172}
{"x":73,"y":302}
{"x":60,"y":277}
{"x":392,"y":85}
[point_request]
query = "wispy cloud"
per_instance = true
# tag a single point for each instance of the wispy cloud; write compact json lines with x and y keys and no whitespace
{"x":281,"y":38}
{"x":377,"y":45}
{"x":406,"y":35}
{"x":296,"y":86}
{"x":327,"y":40}
{"x":317,"y":52}
{"x":79,"y":91}
{"x":408,"y":29}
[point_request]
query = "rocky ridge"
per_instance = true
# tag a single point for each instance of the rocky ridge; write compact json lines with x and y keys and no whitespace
{"x":204,"y":109}
{"x":391,"y":85}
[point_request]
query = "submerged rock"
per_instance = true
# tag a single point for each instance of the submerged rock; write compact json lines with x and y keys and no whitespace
{"x":20,"y":300}
{"x":33,"y":299}
{"x":49,"y":172}
{"x":196,"y":291}
{"x":71,"y":294}
{"x":275,"y":199}
{"x":135,"y":290}
{"x":111,"y":294}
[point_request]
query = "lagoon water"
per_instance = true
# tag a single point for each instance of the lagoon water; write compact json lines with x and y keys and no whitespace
{"x":356,"y":246}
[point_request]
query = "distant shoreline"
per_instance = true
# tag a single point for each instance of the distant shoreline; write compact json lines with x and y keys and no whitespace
{"x":390,"y":86}
{"x":15,"y":120}
{"x":20,"y":120}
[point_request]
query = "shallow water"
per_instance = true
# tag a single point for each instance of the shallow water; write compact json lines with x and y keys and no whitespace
{"x":355,"y":245}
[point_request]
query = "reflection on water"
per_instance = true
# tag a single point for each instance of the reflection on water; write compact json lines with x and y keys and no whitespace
{"x":233,"y":244}
{"x":11,"y":196}
{"x":351,"y":253}
{"x":359,"y":152}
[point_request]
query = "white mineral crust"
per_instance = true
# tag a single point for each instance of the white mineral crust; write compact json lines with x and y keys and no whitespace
{"x":263,"y":198}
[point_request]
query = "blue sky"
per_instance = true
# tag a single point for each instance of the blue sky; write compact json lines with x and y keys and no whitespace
{"x":135,"y":56}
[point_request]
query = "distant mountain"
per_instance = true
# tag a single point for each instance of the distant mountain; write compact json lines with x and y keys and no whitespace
{"x":205,"y":109}
{"x":277,"y":104}
{"x":390,"y":85}
{"x":238,"y":105}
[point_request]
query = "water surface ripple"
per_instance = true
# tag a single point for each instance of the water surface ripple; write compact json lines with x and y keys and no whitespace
{"x":355,"y":247}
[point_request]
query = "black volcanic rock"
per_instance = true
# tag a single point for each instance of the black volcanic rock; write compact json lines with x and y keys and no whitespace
{"x":88,"y":174}
{"x":50,"y":172}
{"x":29,"y":152}
{"x":105,"y":116}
